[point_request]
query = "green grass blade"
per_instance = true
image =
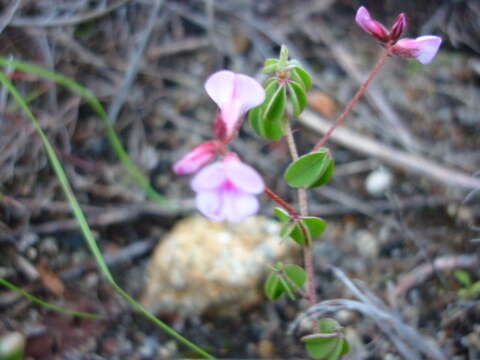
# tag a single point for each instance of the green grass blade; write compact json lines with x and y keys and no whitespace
{"x":92,"y":100}
{"x":80,"y":217}
{"x":47,"y":305}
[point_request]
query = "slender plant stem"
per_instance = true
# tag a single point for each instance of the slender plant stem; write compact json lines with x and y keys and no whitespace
{"x":275,"y":197}
{"x":303,"y":204}
{"x":378,"y":66}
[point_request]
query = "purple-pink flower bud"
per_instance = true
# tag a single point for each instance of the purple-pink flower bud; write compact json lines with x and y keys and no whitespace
{"x":227,"y":189}
{"x":423,"y":48}
{"x":198,"y":157}
{"x":371,"y":26}
{"x":398,"y":27}
{"x":234,"y":94}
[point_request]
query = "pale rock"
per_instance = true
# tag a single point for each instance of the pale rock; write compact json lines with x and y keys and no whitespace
{"x":378,"y":181}
{"x":367,"y":244}
{"x":203,"y":266}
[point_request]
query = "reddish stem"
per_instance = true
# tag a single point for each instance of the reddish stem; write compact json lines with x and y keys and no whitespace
{"x":281,"y":202}
{"x":378,"y":66}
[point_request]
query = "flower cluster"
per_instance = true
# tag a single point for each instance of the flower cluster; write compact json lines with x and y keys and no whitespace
{"x":423,"y":48}
{"x":225,"y":189}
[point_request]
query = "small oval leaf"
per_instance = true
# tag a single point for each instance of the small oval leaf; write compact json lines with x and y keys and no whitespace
{"x":281,"y":214}
{"x":298,"y":235}
{"x":322,"y":347}
{"x":308,"y":169}
{"x":270,"y":66}
{"x":315,"y":225}
{"x":275,"y":104}
{"x":273,"y":287}
{"x":327,"y":175}
{"x":296,"y":274}
{"x":297,"y":97}
{"x":255,"y":117}
{"x":299,"y":73}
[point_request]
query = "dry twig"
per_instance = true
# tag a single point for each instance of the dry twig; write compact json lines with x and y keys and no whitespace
{"x":393,"y":157}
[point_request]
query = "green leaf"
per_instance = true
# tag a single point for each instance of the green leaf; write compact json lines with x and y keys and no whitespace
{"x":298,"y":235}
{"x":283,"y":56}
{"x":337,"y":351}
{"x":282,"y":215}
{"x":308,"y":169}
{"x":346,"y":347}
{"x":327,"y":348}
{"x":289,"y":289}
{"x":272,"y":130}
{"x":300,"y":75}
{"x":255,"y":118}
{"x":328,"y":325}
{"x":315,"y":225}
{"x":287,"y":229}
{"x":475,"y":289}
{"x":270,"y":66}
{"x":273,"y":286}
{"x":327,"y":175}
{"x":463,"y":277}
{"x":320,"y":348}
{"x":298,"y":98}
{"x":275,"y":104}
{"x":296,"y":274}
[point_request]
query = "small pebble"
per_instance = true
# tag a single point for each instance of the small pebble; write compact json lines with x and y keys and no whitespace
{"x":378,"y":181}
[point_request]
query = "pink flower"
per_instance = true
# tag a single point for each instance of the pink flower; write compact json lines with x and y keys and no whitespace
{"x":234,"y":94}
{"x":196,"y":158}
{"x":371,"y":26}
{"x":423,"y":48}
{"x":398,"y":27}
{"x":226,"y":190}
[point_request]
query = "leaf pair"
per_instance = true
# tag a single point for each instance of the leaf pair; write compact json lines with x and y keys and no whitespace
{"x":311,"y":170}
{"x":329,"y":343}
{"x":268,"y":119}
{"x":303,"y":230}
{"x":285,"y":280}
{"x":291,"y":82}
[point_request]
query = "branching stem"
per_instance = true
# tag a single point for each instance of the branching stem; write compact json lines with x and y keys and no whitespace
{"x":303,"y":203}
{"x":378,"y":66}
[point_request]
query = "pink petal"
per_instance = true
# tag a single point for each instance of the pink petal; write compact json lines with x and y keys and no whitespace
{"x":196,"y":158}
{"x":428,"y":46}
{"x":230,"y":115}
{"x":371,"y":26}
{"x":244,"y":177}
{"x":423,"y":48}
{"x":219,"y":87}
{"x":209,"y":178}
{"x":209,"y":203}
{"x":247,"y":92}
{"x":238,"y":205}
{"x":234,"y":94}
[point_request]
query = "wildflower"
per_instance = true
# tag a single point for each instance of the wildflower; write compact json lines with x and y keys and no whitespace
{"x":226,"y":189}
{"x":198,"y":157}
{"x":371,"y":26}
{"x":234,"y":94}
{"x":423,"y":48}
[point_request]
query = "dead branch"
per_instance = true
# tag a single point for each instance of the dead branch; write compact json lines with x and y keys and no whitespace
{"x":394,"y":157}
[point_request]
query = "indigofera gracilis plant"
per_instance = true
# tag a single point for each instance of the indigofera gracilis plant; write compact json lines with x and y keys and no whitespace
{"x":227,"y":189}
